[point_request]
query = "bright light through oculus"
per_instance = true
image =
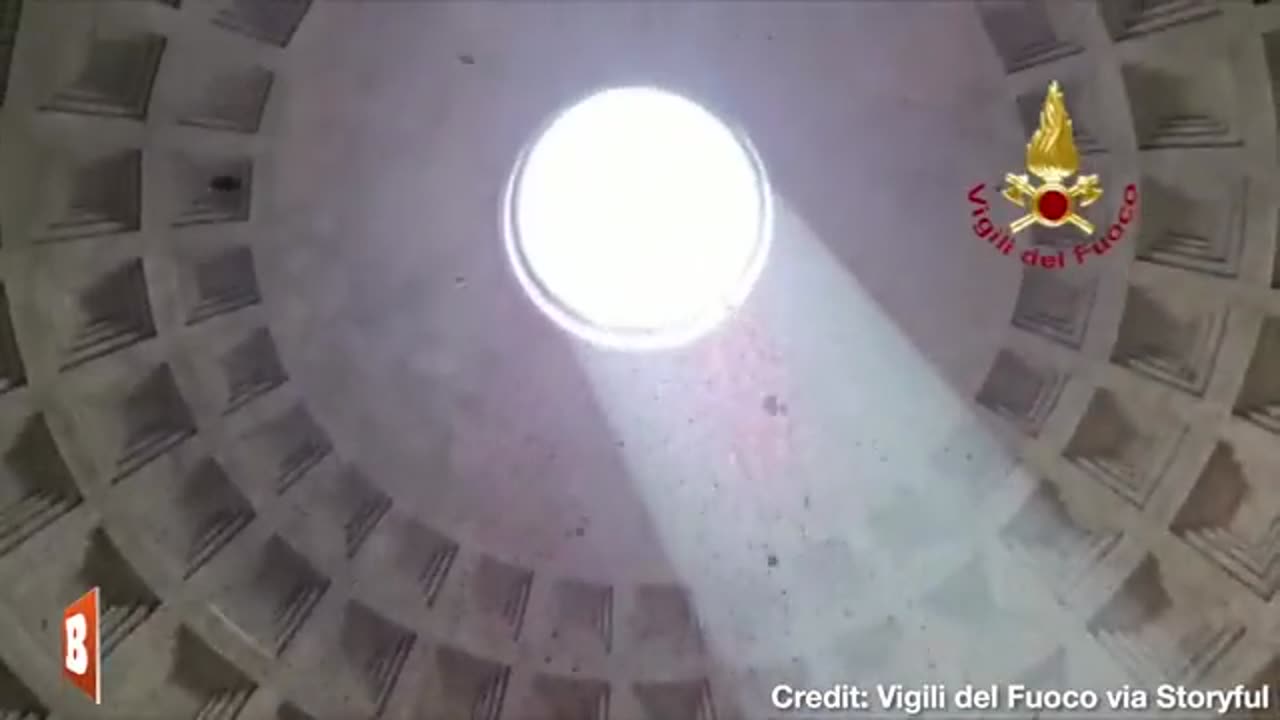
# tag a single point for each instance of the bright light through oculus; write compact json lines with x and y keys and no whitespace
{"x":637,"y":219}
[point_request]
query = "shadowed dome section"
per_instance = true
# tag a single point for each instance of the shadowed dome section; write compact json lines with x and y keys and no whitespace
{"x":637,"y":219}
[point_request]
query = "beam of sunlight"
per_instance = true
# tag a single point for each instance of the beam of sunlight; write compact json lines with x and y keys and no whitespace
{"x":771,"y":456}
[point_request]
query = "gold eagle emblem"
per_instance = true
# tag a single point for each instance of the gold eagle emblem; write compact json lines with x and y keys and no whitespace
{"x":1052,"y":157}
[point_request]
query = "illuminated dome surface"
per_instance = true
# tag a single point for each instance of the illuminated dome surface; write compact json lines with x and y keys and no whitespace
{"x":270,"y":379}
{"x":638,"y":219}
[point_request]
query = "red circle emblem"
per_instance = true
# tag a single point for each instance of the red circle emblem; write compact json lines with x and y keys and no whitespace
{"x":1053,"y":205}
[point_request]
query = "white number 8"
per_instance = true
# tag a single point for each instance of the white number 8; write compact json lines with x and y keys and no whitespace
{"x":77,"y":660}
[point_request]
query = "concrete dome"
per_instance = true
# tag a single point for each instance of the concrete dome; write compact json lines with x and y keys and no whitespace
{"x":270,"y":383}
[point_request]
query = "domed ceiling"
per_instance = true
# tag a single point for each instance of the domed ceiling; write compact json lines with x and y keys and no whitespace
{"x":269,"y":381}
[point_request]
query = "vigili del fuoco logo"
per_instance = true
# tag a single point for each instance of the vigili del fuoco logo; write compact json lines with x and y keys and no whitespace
{"x":1056,"y":201}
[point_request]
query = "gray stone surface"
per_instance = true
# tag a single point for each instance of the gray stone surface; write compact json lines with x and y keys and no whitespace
{"x":325,"y":460}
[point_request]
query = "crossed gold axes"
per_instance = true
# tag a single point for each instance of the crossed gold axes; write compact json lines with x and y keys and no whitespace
{"x":1019,"y":191}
